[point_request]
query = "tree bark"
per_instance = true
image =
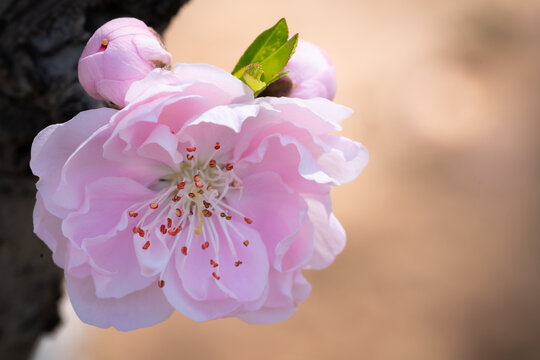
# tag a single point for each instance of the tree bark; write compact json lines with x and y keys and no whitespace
{"x":40,"y":44}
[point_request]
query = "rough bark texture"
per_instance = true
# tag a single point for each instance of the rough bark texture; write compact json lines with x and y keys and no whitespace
{"x":40,"y":43}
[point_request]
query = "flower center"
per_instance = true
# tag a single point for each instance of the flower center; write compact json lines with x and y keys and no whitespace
{"x":194,"y":193}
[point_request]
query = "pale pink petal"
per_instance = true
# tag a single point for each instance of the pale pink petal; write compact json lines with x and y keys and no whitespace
{"x":49,"y":229}
{"x":139,"y":309}
{"x":194,"y":309}
{"x":276,"y":211}
{"x":53,"y":146}
{"x":345,"y":160}
{"x":104,"y":212}
{"x":329,"y":235}
{"x":286,"y":291}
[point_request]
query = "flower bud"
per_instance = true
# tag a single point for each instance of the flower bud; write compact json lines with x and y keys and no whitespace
{"x":120,"y":52}
{"x":311,"y":72}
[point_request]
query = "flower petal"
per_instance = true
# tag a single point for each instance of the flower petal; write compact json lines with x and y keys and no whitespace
{"x":142,"y":308}
{"x":53,"y":145}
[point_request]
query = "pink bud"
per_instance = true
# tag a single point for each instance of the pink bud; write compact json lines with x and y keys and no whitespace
{"x":311,"y":72}
{"x":120,"y":52}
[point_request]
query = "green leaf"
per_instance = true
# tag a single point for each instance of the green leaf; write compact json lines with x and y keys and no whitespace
{"x":273,"y":64}
{"x":264,"y":45}
{"x":252,"y":76}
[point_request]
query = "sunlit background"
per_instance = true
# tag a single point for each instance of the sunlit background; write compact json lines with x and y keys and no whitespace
{"x":443,"y":253}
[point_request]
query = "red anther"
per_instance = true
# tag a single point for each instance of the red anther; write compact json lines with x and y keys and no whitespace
{"x":206,"y":204}
{"x":213,"y":263}
{"x":169,"y":222}
{"x":228,"y":217}
{"x":163,"y":229}
{"x":212,"y":163}
{"x":201,"y":191}
{"x":133,"y":214}
{"x":229,"y":167}
{"x":207,"y":213}
{"x":141,"y":233}
{"x":216,"y":276}
{"x":235,"y":183}
{"x":178,"y":212}
{"x":248,"y":220}
{"x":237,"y":263}
{"x":135,"y":229}
{"x":173,"y":232}
{"x":184,"y":250}
{"x":161,"y":283}
{"x":181,"y":185}
{"x":209,"y":188}
{"x":191,"y":195}
{"x":222,"y":214}
{"x":172,"y":132}
{"x":196,"y":177}
{"x":191,"y":149}
{"x":176,"y":198}
{"x":217,"y":146}
{"x":205,"y":245}
{"x":146,"y":245}
{"x":246,"y":242}
{"x":189,"y":157}
{"x":104,"y":44}
{"x":154,"y":206}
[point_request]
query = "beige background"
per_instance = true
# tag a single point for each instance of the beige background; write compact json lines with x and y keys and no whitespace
{"x":443,"y":251}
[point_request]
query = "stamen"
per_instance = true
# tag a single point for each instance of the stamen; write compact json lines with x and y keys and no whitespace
{"x":161,"y":283}
{"x":174,"y":232}
{"x":212,"y":163}
{"x":133,"y":213}
{"x":189,"y":157}
{"x":216,"y":276}
{"x":169,"y":223}
{"x":163,"y":229}
{"x":181,"y":185}
{"x":248,"y":220}
{"x":246,"y":242}
{"x":228,"y":167}
{"x":217,"y":146}
{"x":184,"y":250}
{"x":237,"y":263}
{"x":178,"y":212}
{"x":213,"y":263}
{"x":146,"y":245}
{"x":198,"y":183}
{"x":198,"y":229}
{"x":191,"y":149}
{"x":205,"y":245}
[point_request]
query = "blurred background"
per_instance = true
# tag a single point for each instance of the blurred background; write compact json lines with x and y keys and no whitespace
{"x":443,"y":253}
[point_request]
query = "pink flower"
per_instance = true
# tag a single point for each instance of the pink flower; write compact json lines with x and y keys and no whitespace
{"x":120,"y":52}
{"x":194,"y":197}
{"x":311,"y":72}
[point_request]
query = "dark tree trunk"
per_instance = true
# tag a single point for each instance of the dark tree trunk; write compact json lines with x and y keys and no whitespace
{"x":40,"y":44}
